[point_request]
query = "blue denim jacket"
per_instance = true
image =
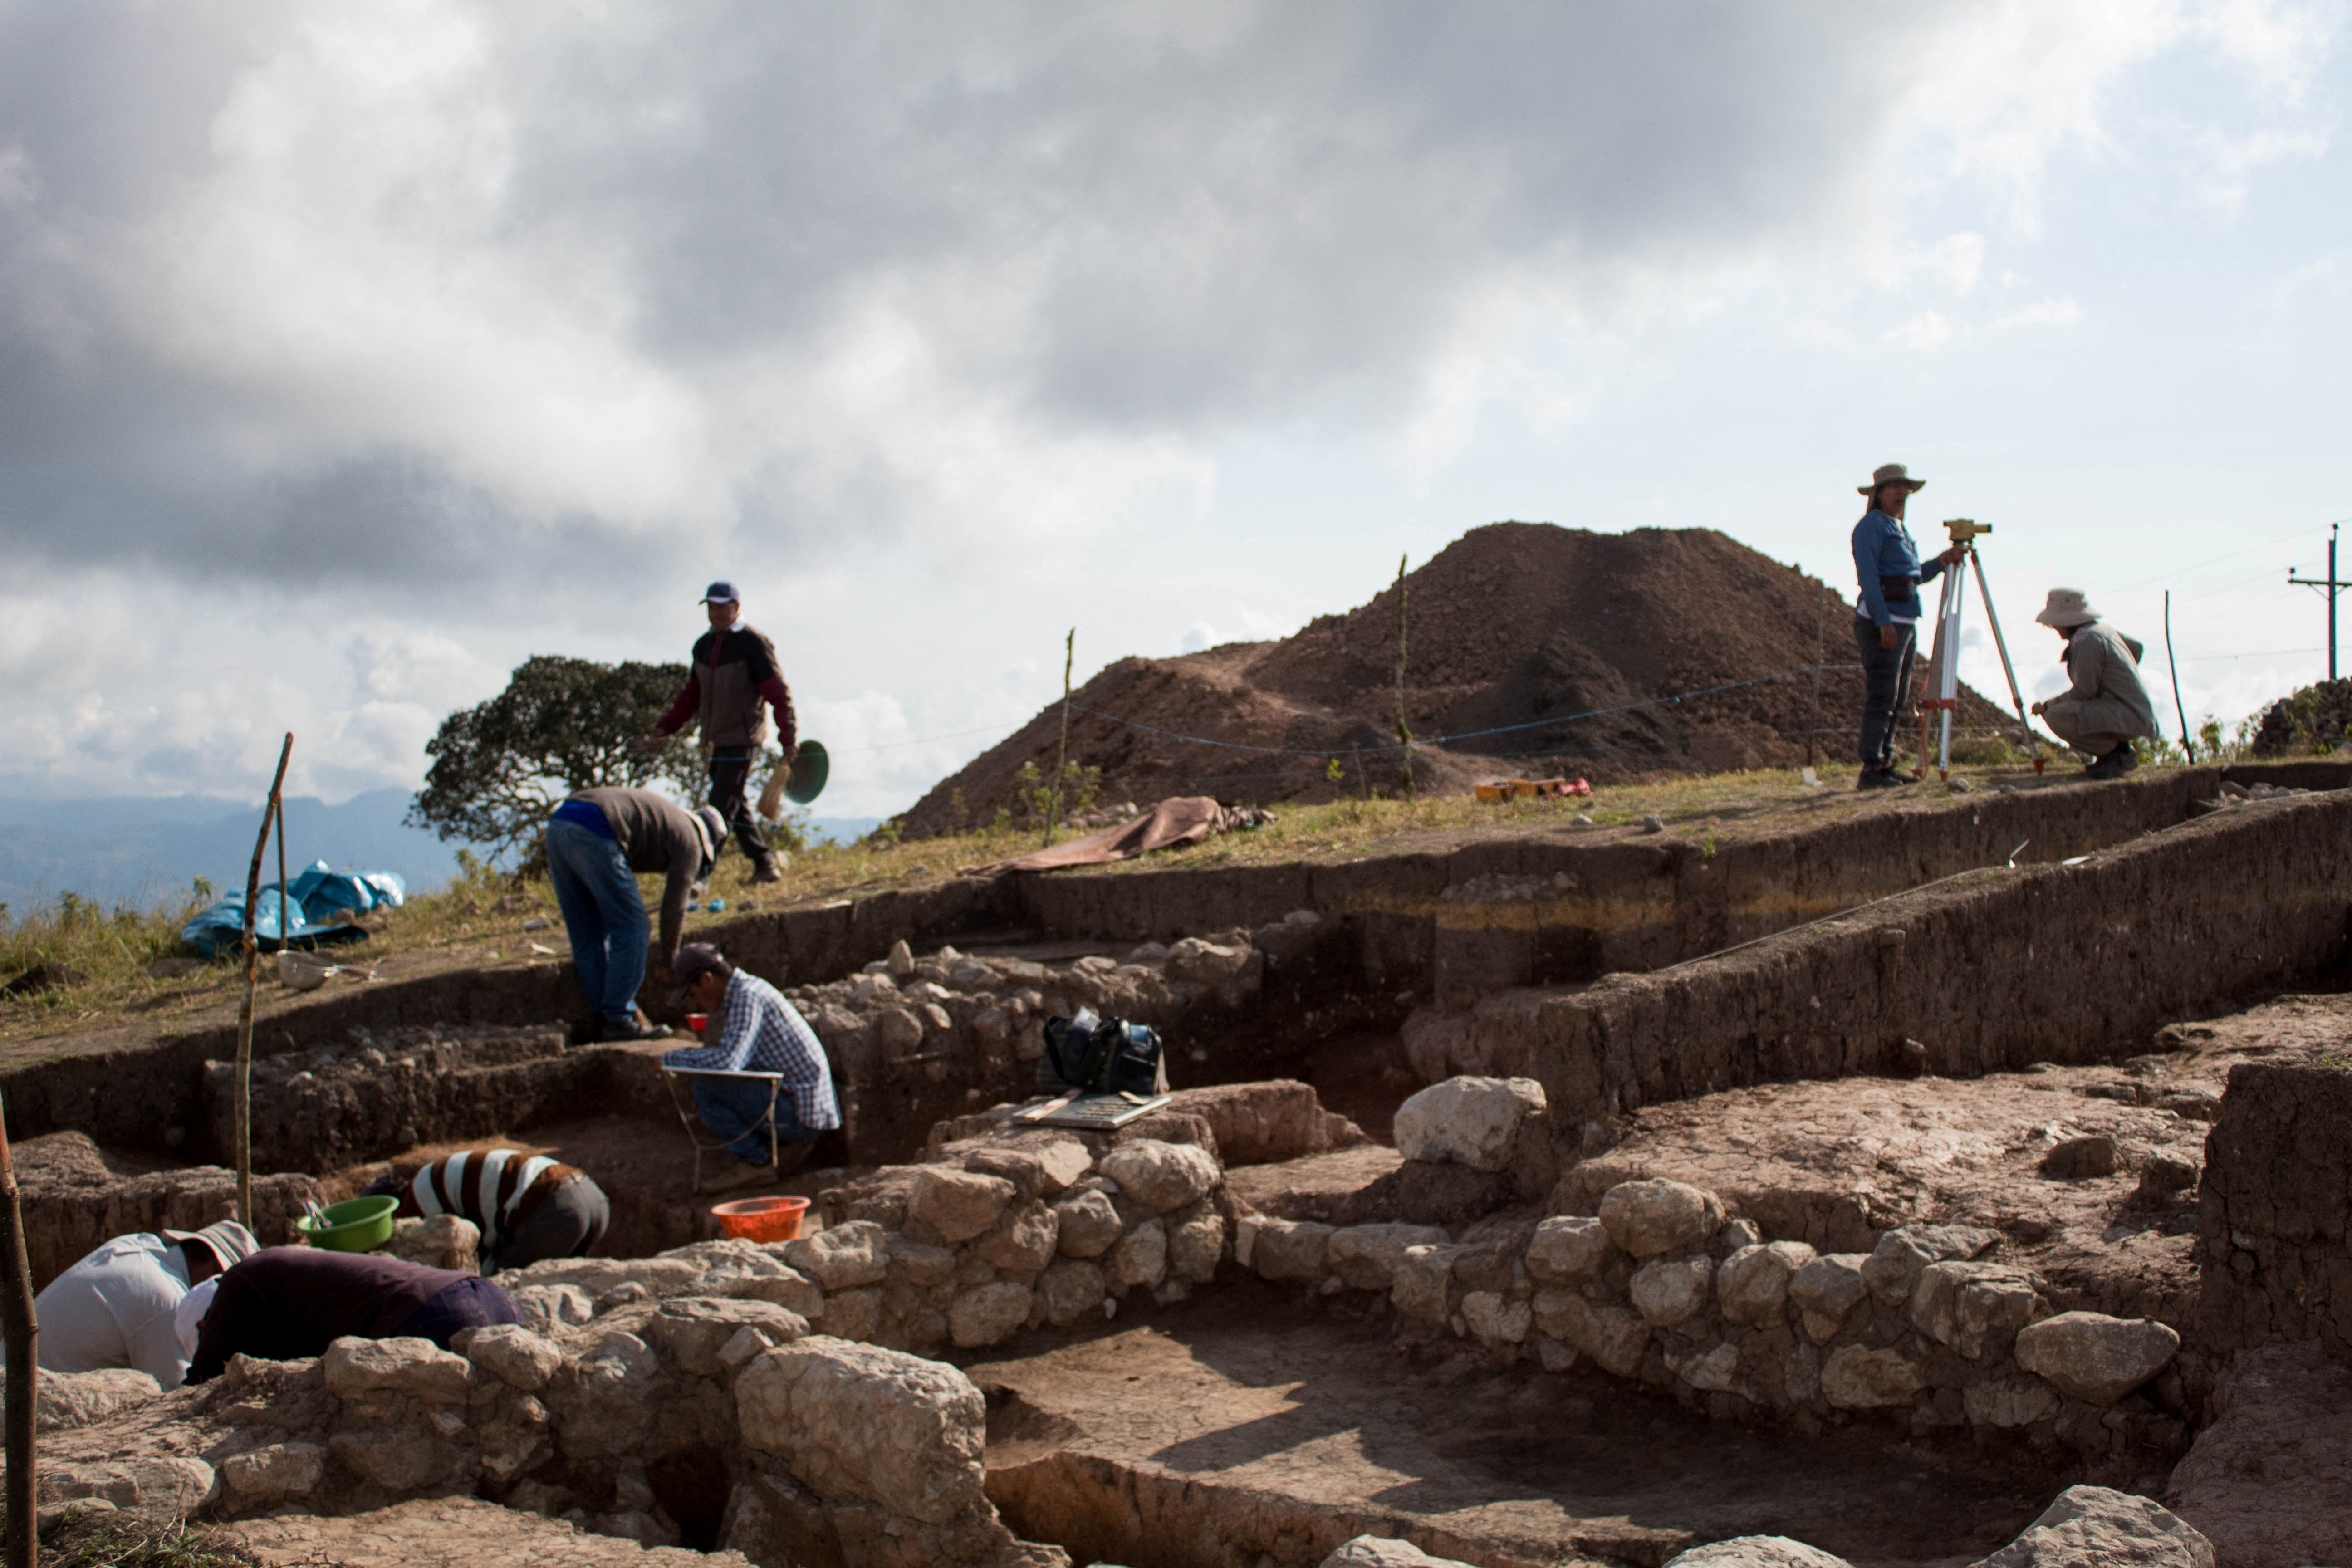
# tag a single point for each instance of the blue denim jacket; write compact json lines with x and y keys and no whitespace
{"x":1883,"y":548}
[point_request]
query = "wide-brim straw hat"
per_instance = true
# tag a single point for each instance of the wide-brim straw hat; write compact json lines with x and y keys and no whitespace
{"x":2067,"y":608}
{"x":230,"y":1241}
{"x":1888,"y":474}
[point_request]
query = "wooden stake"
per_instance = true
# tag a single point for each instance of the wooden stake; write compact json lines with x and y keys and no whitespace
{"x":244,"y":1010}
{"x":1403,"y":731}
{"x":22,"y":1333}
{"x":1062,"y":756}
{"x":2187,"y":747}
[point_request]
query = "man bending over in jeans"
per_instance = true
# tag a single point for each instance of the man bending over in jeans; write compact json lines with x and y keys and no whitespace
{"x":758,"y":1031}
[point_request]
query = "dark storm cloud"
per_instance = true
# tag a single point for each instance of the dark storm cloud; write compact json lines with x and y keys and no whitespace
{"x":1105,"y":223}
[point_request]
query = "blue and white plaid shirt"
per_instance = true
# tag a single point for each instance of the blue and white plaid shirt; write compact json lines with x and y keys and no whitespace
{"x":761,"y":1032}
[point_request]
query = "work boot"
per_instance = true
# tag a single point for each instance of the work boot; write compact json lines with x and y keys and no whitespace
{"x":2115,"y":765}
{"x":768,"y":870}
{"x":1881,"y":778}
{"x":743,"y":1174}
{"x":632,"y":1029}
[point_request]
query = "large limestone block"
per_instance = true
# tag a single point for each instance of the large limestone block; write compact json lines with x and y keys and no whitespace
{"x":1903,"y":1253}
{"x":599,"y":1277}
{"x":1196,"y":1245}
{"x":2092,"y":1527}
{"x":2009,"y":1403}
{"x":1612,"y":1336}
{"x":439,"y":1241}
{"x":1424,"y":1287}
{"x":857,"y":1421}
{"x":514,"y":1355}
{"x":959,"y":1204}
{"x":1825,"y":1290}
{"x":1470,"y":1121}
{"x":1975,"y":1308}
{"x":1162,"y":1176}
{"x":2094,"y":1357}
{"x":1141,"y":1258}
{"x":1024,"y":1238}
{"x":1666,"y":1293}
{"x":1752,"y":1284}
{"x":397,"y":1458}
{"x":845,"y":1256}
{"x":264,"y":1477}
{"x":78,"y":1398}
{"x":1645,"y":1218}
{"x":1365,"y":1256}
{"x":176,"y":1485}
{"x":1717,"y":1372}
{"x":1086,"y":1225}
{"x":1290,"y":1249}
{"x":1494,"y":1318}
{"x":1385,"y":1551}
{"x":1072,"y":1290}
{"x":1568,"y":1250}
{"x":415,"y":1367}
{"x":689,"y":1333}
{"x":1854,"y":1378}
{"x":551,"y":1309}
{"x":987,"y":1314}
{"x":1757,"y":1551}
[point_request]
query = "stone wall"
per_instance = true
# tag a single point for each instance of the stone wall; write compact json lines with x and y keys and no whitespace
{"x":2064,"y":963}
{"x":2275,"y":1211}
{"x":72,"y":1200}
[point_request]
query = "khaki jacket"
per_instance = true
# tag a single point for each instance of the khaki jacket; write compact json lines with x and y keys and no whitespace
{"x":2103,"y":663}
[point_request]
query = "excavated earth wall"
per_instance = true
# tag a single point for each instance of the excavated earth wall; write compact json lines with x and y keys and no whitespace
{"x":2063,"y":964}
{"x":1455,"y":927}
{"x":2275,"y":1211}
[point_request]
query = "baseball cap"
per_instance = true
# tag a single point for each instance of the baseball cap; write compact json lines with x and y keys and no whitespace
{"x":694,"y":960}
{"x":720,"y":592}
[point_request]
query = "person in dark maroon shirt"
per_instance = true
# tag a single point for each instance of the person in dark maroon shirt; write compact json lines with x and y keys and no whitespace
{"x":733,"y":679}
{"x":284,"y":1303}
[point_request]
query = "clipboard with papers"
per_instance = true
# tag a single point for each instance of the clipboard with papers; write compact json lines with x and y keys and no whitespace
{"x":1089,"y":1111}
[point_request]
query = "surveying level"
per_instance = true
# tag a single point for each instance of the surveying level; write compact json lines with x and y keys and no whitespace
{"x":1943,"y":672}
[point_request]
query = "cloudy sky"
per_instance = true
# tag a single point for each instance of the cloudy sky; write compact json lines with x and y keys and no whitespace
{"x":349,"y":354}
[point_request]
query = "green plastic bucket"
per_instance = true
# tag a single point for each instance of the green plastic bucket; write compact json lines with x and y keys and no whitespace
{"x":355,"y":1224}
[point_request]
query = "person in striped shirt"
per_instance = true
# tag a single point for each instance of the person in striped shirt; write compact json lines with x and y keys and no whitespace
{"x":758,"y":1032}
{"x":527,"y":1206}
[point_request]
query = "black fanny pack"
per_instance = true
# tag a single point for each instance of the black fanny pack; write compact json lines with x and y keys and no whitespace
{"x":1898,"y":587}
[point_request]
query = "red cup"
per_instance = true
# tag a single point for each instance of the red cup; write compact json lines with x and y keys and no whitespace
{"x":698,"y":1021}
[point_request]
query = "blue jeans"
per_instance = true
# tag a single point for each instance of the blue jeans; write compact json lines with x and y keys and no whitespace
{"x":471,"y":1303}
{"x":735,"y":1110}
{"x":604,"y":914}
{"x":1884,"y":673}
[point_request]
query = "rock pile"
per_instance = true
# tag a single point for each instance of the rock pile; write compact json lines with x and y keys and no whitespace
{"x":950,"y":1011}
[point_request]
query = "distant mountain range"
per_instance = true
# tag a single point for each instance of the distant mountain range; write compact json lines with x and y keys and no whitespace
{"x":146,"y":850}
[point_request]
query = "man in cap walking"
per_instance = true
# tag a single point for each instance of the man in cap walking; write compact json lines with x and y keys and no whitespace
{"x":2106,"y":707}
{"x":733,"y":671}
{"x":1888,"y":571}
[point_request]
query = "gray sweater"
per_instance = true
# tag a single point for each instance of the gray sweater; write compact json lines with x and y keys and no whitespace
{"x":654,"y":834}
{"x":2103,"y":663}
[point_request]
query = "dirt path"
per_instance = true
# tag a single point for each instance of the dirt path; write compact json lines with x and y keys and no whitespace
{"x":452,"y":1530}
{"x":1237,"y":1430}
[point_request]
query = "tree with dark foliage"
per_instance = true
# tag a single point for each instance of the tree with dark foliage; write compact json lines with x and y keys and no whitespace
{"x":561,"y":725}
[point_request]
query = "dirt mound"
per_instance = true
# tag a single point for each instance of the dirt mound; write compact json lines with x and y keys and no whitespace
{"x":1531,"y":650}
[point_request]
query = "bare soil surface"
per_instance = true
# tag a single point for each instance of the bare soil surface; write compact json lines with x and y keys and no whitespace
{"x":1511,"y":625}
{"x":450,"y":1529}
{"x":1237,"y":1430}
{"x":2269,"y":1481}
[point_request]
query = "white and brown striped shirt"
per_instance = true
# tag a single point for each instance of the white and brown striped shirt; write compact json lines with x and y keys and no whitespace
{"x":495,"y":1188}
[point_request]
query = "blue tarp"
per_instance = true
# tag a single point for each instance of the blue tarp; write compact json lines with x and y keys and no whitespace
{"x":315,"y":898}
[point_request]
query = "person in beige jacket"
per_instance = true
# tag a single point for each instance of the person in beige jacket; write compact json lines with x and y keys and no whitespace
{"x":2106,"y":707}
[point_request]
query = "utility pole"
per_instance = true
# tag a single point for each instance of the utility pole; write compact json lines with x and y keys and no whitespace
{"x":2333,"y":587}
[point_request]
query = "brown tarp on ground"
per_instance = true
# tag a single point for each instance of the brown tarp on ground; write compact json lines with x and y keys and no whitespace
{"x":1185,"y":819}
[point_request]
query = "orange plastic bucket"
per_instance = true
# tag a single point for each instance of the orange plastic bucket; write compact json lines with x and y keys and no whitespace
{"x":761,"y":1219}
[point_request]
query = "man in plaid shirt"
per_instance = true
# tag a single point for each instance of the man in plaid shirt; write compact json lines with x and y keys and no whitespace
{"x":761,"y":1032}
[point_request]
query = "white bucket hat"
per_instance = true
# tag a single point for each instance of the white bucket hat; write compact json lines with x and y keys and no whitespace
{"x":2067,"y":609}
